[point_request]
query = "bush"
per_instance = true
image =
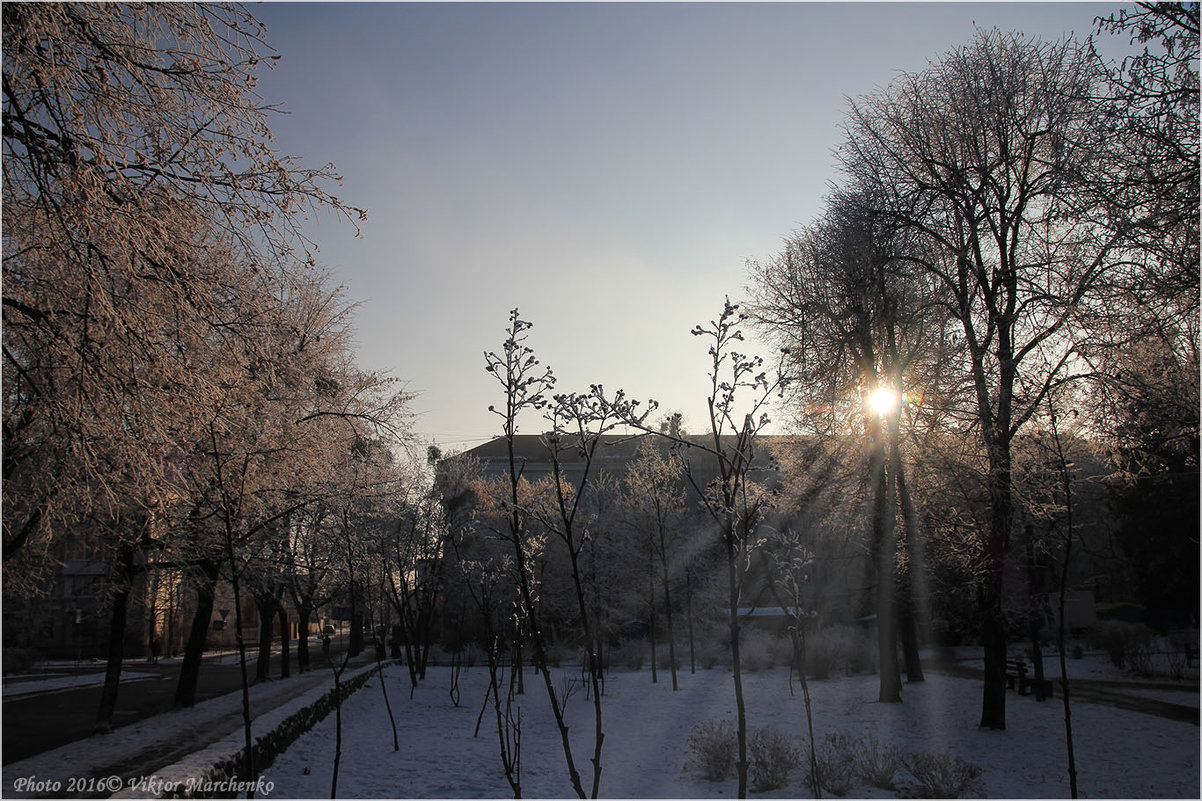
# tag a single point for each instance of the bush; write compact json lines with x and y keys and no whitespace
{"x":629,"y":655}
{"x":820,"y":657}
{"x":836,"y":760}
{"x":19,"y":660}
{"x":709,"y":653}
{"x":712,"y":745}
{"x":1121,"y":641}
{"x":878,"y":762}
{"x":757,"y":652}
{"x":944,"y":776}
{"x":662,"y":656}
{"x":771,"y":756}
{"x":1181,"y":644}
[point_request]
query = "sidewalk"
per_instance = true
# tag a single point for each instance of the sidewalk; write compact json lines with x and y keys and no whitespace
{"x":58,"y":704}
{"x":136,"y":751}
{"x":1131,"y":695}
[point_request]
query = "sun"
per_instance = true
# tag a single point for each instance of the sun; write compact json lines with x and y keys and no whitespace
{"x":882,"y":400}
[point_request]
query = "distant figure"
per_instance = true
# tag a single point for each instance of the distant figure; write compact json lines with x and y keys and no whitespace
{"x":325,"y":645}
{"x":155,"y":649}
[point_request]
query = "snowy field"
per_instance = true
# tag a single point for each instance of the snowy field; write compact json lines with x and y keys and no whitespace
{"x":1119,"y":754}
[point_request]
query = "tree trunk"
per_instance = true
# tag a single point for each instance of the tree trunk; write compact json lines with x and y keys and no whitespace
{"x":651,"y":625}
{"x":732,"y":565}
{"x":884,"y":539}
{"x":671,"y":628}
{"x":116,"y":652}
{"x":302,"y":639}
{"x":688,"y":606}
{"x":189,"y":672}
{"x":355,"y":644}
{"x":993,"y":620}
{"x":993,"y":637}
{"x":266,"y":608}
{"x":913,"y":591}
{"x":285,"y":642}
{"x":909,"y":640}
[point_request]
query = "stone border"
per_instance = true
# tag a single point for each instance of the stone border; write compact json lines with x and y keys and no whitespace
{"x":215,"y":771}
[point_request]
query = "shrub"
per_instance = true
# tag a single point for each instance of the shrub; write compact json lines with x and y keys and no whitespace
{"x":851,"y":649}
{"x":662,"y":656}
{"x":836,"y":760}
{"x":756,"y":651}
{"x":771,"y":756}
{"x":820,"y":657}
{"x":1121,"y":640}
{"x":712,"y":745}
{"x":1181,"y":644}
{"x":19,"y":660}
{"x":709,"y":653}
{"x":1140,"y":658}
{"x":862,"y":656}
{"x":630,"y":655}
{"x":944,"y":776}
{"x":878,"y":762}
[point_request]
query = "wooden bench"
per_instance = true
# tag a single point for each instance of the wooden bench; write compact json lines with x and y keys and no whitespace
{"x":1017,"y":678}
{"x":1016,"y":675}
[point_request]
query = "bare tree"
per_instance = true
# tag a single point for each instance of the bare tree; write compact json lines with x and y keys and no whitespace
{"x":655,"y":501}
{"x":124,"y":166}
{"x":739,"y":394}
{"x":861,"y":334}
{"x":979,"y":155}
{"x":526,"y":386}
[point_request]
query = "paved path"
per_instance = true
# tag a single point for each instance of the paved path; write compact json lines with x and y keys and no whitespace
{"x":140,"y":748}
{"x":1112,"y":693}
{"x":37,"y":722}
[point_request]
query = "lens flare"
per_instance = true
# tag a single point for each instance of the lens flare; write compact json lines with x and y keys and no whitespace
{"x":883,"y":400}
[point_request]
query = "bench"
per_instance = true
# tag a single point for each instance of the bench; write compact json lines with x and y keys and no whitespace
{"x":1016,"y":675}
{"x":1016,"y":678}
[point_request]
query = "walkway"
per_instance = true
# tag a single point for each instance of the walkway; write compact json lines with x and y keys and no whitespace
{"x":151,"y":741}
{"x":1121,"y":694}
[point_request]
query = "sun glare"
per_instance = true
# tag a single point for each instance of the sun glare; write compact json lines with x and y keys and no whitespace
{"x":882,"y":400}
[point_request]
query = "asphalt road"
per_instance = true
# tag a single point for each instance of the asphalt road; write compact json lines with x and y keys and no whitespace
{"x":39,"y":722}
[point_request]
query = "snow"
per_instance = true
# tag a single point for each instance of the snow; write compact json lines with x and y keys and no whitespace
{"x":1119,"y":754}
{"x":203,"y":732}
{"x":23,"y":685}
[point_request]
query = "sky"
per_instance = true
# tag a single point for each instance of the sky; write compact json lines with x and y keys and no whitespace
{"x":608,"y":169}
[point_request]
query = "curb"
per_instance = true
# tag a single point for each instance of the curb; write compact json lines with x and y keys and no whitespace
{"x":215,"y":771}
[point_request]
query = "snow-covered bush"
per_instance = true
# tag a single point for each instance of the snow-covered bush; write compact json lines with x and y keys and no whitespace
{"x":944,"y":776}
{"x":849,"y":649}
{"x":837,"y":762}
{"x":710,"y":653}
{"x":820,"y":657}
{"x":756,"y":651}
{"x":662,"y":654}
{"x":1120,"y":640}
{"x":878,"y":762}
{"x":1181,"y":644}
{"x":558,"y":653}
{"x":630,"y":655}
{"x":771,"y":756}
{"x":712,"y":745}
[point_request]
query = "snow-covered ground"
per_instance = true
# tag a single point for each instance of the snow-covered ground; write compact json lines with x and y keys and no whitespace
{"x":44,"y":683}
{"x":1119,"y":754}
{"x":196,"y":737}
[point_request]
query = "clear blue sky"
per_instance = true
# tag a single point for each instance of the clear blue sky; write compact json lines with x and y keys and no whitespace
{"x":607,"y":168}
